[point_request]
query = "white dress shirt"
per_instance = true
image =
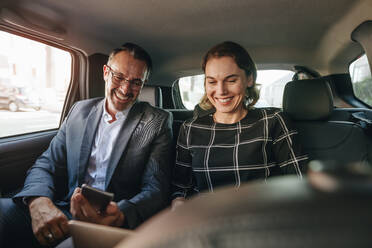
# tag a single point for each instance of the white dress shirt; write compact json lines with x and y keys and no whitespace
{"x":103,"y":147}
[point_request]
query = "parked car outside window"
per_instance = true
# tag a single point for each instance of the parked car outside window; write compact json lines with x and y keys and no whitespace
{"x":15,"y":98}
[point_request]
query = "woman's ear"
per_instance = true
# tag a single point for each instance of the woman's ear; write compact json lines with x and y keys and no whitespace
{"x":250,"y":81}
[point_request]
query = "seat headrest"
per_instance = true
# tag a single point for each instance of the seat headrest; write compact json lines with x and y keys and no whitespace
{"x":95,"y":76}
{"x":309,"y":99}
{"x":150,"y":94}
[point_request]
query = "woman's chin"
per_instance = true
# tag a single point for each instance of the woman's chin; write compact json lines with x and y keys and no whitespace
{"x":227,"y":109}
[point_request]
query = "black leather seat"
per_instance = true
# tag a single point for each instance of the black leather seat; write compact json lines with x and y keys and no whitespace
{"x":309,"y":103}
{"x":284,"y":212}
{"x":179,"y":116}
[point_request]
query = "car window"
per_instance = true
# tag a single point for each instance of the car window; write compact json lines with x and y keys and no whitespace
{"x":360,"y":74}
{"x":34,"y":78}
{"x":270,"y":83}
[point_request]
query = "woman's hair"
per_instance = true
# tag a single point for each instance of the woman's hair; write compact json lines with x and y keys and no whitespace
{"x":244,"y":62}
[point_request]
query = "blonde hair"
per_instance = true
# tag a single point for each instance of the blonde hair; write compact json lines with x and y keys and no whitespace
{"x":243,"y":60}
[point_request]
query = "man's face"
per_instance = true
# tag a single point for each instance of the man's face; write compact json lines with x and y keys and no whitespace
{"x":123,"y":76}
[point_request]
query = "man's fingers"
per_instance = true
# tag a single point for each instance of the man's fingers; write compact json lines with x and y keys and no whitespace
{"x":112,"y":208}
{"x":49,"y":237}
{"x":109,"y":220}
{"x":50,"y":231}
{"x":75,"y":204}
{"x":56,"y":232}
{"x":73,"y":197}
{"x":41,"y":230}
{"x":77,"y":190}
{"x":113,"y":215}
{"x":46,"y":219}
{"x":45,"y":237}
{"x":64,"y":227}
{"x":40,"y":237}
{"x":89,"y":212}
{"x":77,"y":213}
{"x":81,"y":208}
{"x":120,"y":220}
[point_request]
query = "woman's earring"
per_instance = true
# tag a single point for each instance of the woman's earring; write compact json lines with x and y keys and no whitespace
{"x":247,"y":101}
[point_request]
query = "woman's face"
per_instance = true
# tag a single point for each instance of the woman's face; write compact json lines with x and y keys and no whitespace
{"x":225,"y":84}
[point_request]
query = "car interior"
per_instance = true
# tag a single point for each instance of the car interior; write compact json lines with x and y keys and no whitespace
{"x":325,"y":46}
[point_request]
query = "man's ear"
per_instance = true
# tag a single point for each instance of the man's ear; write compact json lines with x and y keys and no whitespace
{"x":105,"y":72}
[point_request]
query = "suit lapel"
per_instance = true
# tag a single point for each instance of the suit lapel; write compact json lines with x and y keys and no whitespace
{"x":126,"y":131}
{"x":90,"y":128}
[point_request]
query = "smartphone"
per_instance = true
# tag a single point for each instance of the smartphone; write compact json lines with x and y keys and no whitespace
{"x":97,"y":198}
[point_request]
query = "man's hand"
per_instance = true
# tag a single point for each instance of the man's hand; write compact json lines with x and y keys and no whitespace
{"x":82,"y":210}
{"x":49,"y":224}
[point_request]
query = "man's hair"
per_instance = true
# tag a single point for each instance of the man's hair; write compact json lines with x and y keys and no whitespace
{"x":243,"y":61}
{"x":137,"y":52}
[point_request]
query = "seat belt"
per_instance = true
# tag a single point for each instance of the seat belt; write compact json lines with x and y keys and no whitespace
{"x":364,"y":122}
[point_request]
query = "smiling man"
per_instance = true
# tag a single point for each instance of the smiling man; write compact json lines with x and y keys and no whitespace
{"x":116,"y":144}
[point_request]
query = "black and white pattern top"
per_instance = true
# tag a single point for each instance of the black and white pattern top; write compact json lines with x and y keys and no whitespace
{"x":209,"y":154}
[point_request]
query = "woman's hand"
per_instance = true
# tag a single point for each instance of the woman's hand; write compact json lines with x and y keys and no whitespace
{"x":177,"y":202}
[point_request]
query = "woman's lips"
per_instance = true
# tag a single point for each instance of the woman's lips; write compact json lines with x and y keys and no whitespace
{"x":224,"y":100}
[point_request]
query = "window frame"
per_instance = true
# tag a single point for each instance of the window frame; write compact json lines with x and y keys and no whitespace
{"x":176,"y":95}
{"x":353,"y":99}
{"x":77,"y":88}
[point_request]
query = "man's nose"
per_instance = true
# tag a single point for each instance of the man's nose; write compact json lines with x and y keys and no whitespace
{"x":125,"y":86}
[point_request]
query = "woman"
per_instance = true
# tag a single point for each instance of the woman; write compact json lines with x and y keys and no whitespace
{"x":236,"y":143}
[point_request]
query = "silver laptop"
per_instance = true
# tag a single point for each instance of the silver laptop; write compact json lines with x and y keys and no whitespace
{"x":88,"y":235}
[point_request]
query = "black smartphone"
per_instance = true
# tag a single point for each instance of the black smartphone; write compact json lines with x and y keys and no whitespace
{"x":97,"y":198}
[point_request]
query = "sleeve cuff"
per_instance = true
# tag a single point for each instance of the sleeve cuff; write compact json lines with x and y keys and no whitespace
{"x":131,"y":217}
{"x":178,"y":194}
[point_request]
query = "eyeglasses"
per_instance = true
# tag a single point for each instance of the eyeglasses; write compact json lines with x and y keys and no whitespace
{"x":118,"y":79}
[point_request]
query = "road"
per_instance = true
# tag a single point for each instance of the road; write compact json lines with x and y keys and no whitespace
{"x":26,"y":121}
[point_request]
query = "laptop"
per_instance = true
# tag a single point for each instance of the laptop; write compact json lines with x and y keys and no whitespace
{"x":88,"y":235}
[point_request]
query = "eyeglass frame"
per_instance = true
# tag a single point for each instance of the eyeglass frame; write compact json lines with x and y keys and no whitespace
{"x":132,"y":82}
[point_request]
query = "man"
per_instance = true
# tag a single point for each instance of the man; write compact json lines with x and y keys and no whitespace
{"x":115,"y":144}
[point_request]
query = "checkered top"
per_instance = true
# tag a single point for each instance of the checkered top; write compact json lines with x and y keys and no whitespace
{"x":209,"y":154}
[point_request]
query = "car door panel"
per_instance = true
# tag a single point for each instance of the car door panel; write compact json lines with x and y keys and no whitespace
{"x":17,"y":155}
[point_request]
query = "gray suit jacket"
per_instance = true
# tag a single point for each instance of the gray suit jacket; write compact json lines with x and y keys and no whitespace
{"x":139,"y":169}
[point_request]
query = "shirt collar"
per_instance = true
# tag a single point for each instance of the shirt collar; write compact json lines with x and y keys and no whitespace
{"x":119,"y":115}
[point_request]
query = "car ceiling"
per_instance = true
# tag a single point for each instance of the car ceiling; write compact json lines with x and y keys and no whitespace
{"x":277,"y":33}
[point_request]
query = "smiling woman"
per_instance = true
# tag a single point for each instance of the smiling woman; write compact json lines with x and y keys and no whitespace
{"x":236,"y":143}
{"x":225,"y":88}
